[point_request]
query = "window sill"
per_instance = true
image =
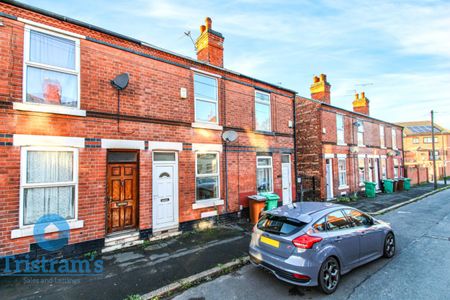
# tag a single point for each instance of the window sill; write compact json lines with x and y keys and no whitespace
{"x":343,"y":187}
{"x":207,"y":203}
{"x":28,"y":230}
{"x":362,"y":146}
{"x":383,"y":147}
{"x":265,"y":132}
{"x":206,"y":126}
{"x":341,"y":144}
{"x":48,"y":108}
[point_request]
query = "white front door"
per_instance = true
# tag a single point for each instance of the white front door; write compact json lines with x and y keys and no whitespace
{"x":165,"y":191}
{"x":377,"y":174}
{"x":329,"y":177}
{"x":286,"y":179}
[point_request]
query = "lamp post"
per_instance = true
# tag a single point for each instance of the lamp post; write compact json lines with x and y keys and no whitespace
{"x":434,"y":150}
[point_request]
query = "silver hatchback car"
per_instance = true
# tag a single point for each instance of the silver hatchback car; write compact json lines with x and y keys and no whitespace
{"x":314,"y":243}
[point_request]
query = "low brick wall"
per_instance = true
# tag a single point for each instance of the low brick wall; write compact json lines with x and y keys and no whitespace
{"x":418,"y":175}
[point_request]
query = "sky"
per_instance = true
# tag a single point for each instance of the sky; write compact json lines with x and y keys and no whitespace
{"x":398,"y":52}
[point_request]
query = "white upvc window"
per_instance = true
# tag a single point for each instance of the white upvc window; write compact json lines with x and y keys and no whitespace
{"x":263,"y":117}
{"x":48,"y":183}
{"x":51,"y":72}
{"x":206,"y":99}
{"x":429,"y":140}
{"x":361,"y":134}
{"x":362,"y":170}
{"x":207,"y":176}
{"x":394,"y":139}
{"x":383,"y":168}
{"x":382,"y":138}
{"x":342,"y":170}
{"x":396,"y":171}
{"x":340,"y":129}
{"x":264,"y":174}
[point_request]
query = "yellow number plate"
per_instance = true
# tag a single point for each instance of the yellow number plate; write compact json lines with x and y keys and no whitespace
{"x":270,"y":242}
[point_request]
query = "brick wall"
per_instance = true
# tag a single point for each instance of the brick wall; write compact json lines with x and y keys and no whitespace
{"x":151,"y":110}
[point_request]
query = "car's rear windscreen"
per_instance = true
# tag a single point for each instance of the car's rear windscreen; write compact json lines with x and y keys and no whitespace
{"x":279,"y":225}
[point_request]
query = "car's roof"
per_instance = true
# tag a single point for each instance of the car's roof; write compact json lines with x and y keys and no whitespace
{"x":304,"y":211}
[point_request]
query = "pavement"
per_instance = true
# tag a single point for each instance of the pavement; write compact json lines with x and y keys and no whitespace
{"x":140,"y":269}
{"x":383,"y":201}
{"x":419,"y":270}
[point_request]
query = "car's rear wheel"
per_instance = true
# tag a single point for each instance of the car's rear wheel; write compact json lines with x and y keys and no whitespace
{"x":329,"y":275}
{"x":389,"y":245}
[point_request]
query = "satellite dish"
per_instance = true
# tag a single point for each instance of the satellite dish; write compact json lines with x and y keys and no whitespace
{"x":229,"y":136}
{"x":121,"y":81}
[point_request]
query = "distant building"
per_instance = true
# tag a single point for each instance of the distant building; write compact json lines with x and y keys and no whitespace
{"x":339,"y":149}
{"x":419,"y":148}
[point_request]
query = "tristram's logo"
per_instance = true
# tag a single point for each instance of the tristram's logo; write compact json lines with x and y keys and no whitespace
{"x":44,"y":266}
{"x":63,"y":231}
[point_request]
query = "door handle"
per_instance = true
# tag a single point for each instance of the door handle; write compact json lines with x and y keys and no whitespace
{"x":338,"y":238}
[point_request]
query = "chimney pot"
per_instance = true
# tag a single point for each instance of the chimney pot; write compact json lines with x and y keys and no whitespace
{"x":209,"y":45}
{"x":361,"y":104}
{"x":320,"y":89}
{"x":208,"y":23}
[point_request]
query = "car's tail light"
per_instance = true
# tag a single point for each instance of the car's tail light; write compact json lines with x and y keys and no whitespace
{"x":301,"y":277}
{"x":306,"y":241}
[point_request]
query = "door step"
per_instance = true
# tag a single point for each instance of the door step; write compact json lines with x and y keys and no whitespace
{"x":165,"y":234}
{"x":121,"y":240}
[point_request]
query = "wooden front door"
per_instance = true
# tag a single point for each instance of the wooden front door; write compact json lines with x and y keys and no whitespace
{"x":122,"y":196}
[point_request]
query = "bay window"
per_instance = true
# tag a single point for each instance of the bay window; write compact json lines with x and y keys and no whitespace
{"x":51,"y":68}
{"x":264,"y":174}
{"x":207,"y":176}
{"x":262,"y":111}
{"x":206,"y":99}
{"x":49,"y":183}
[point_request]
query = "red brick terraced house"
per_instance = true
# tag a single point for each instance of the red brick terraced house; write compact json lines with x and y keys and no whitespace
{"x":338,"y":149}
{"x":122,"y":162}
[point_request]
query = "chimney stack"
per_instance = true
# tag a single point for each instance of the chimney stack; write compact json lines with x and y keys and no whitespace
{"x":209,"y":44}
{"x":320,"y":89}
{"x":361,"y":104}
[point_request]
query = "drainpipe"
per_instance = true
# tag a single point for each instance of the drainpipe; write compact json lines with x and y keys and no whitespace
{"x":295,"y":149}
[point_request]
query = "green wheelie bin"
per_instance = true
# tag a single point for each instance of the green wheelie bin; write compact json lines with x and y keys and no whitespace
{"x":407,"y":184}
{"x":271,"y":200}
{"x":388,"y":186}
{"x":370,"y":189}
